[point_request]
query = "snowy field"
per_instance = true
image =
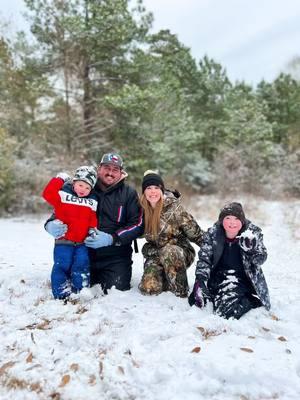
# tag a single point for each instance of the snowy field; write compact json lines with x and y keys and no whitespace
{"x":127,"y":346}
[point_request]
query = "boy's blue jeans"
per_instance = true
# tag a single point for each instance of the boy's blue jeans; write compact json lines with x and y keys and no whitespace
{"x":71,"y":270}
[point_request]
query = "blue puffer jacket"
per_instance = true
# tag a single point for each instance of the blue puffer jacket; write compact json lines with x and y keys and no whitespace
{"x":211,"y":251}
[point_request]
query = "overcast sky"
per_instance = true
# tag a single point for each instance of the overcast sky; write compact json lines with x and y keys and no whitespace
{"x":252,"y":39}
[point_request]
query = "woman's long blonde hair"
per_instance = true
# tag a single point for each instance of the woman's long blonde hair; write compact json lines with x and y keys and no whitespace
{"x":151,"y":216}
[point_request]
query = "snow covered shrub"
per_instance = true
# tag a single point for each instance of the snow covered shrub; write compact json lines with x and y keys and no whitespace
{"x":29,"y":185}
{"x":285,"y":174}
{"x":292,"y":173}
{"x":198,"y":173}
{"x":33,"y":170}
{"x":244,"y":168}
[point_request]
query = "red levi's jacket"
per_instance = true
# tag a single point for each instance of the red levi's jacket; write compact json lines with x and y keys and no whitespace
{"x":79,"y":213}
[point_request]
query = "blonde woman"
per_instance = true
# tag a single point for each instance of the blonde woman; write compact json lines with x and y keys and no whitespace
{"x":169,"y":229}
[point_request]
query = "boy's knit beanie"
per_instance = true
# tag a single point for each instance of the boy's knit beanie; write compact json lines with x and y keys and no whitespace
{"x":86,"y":173}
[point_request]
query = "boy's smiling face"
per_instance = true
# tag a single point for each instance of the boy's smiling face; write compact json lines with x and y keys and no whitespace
{"x":232,"y":226}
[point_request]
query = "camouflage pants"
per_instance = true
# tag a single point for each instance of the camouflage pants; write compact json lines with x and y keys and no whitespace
{"x":166,"y":270}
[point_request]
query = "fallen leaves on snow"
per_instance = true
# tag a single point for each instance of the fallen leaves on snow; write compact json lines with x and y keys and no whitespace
{"x":207,"y":333}
{"x":196,"y":349}
{"x":65,"y":380}
{"x":6,"y":366}
{"x":246,"y":349}
{"x":121,"y":370}
{"x":282,"y":339}
{"x":74,"y":367}
{"x":274,"y":317}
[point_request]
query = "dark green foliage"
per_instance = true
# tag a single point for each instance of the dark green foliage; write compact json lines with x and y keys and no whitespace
{"x":283,"y":106}
{"x":7,"y":171}
{"x":96,"y":80}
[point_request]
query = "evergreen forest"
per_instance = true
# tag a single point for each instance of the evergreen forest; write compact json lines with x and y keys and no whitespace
{"x":92,"y":77}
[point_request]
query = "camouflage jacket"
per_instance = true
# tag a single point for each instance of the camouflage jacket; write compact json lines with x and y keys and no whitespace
{"x":177,"y":227}
{"x":211,"y":252}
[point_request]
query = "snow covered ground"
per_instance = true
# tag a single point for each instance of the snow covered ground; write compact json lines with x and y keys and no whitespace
{"x":127,"y":346}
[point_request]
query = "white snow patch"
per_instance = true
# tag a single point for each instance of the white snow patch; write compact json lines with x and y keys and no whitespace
{"x":129,"y":346}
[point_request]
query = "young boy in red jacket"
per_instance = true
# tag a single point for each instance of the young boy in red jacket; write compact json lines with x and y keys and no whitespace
{"x":74,"y":206}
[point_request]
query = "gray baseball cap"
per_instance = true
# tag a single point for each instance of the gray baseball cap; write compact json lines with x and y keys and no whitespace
{"x":112,"y":158}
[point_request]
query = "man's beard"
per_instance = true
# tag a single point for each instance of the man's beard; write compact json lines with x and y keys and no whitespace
{"x":103,"y":184}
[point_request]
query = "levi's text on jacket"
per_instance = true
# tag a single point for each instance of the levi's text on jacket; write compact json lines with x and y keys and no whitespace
{"x":79,"y":213}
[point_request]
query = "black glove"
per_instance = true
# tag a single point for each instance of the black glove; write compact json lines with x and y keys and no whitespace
{"x":199,"y":295}
{"x":247,"y":242}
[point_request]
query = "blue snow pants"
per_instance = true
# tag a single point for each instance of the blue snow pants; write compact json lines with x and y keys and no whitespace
{"x":71,"y":270}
